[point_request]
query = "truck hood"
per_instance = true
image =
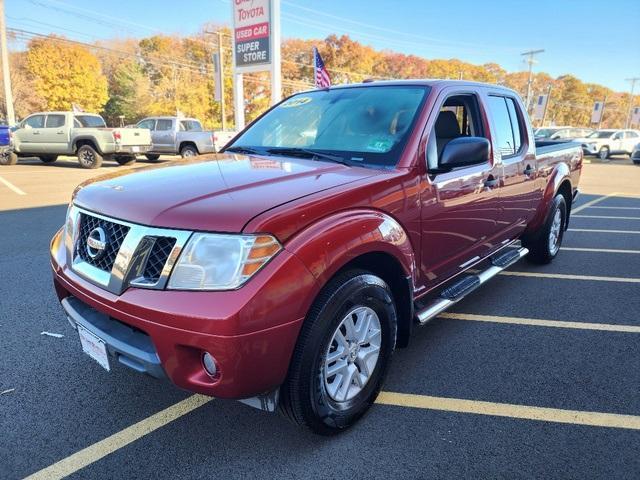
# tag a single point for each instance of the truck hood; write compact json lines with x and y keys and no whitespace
{"x":217,"y":193}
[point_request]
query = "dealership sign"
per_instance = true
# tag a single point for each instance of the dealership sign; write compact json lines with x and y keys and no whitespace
{"x":252,"y":35}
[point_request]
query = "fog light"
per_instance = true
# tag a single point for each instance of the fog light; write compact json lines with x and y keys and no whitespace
{"x":209,"y":364}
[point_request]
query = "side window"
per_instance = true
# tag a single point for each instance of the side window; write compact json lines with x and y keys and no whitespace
{"x":507,"y":125}
{"x":618,"y":136}
{"x":37,"y":121}
{"x":55,"y":121}
{"x":164,"y":124}
{"x":632,"y":134}
{"x":148,"y":124}
{"x":459,"y":117}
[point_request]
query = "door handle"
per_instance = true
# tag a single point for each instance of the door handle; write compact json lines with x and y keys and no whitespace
{"x":529,"y":170}
{"x":491,"y":182}
{"x":36,"y":132}
{"x":60,"y":132}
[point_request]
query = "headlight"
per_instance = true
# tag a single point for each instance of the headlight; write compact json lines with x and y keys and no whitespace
{"x":212,"y":261}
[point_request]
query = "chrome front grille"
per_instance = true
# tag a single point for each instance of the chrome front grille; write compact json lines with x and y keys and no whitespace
{"x":132,"y":255}
{"x":115,"y":234}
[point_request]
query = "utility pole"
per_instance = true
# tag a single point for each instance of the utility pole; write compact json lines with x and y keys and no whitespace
{"x":530,"y":60}
{"x":223,"y":112}
{"x":6,"y":73}
{"x":633,"y":86}
{"x":604,"y":105}
{"x":546,"y":105}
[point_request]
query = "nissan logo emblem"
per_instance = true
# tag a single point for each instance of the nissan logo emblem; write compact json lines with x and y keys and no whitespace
{"x":96,"y":242}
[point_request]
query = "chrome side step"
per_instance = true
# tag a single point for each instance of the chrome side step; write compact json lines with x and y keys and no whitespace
{"x":468,"y":284}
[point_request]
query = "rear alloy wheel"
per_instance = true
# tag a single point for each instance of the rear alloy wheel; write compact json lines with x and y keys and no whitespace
{"x":188,"y":151}
{"x":544,"y":247}
{"x":89,"y":157}
{"x":48,"y":158}
{"x":8,"y":158}
{"x":603,"y":154}
{"x":342,"y":355}
{"x":125,"y":160}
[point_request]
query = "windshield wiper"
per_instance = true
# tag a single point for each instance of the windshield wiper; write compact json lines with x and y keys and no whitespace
{"x":246,"y":150}
{"x":307,"y":153}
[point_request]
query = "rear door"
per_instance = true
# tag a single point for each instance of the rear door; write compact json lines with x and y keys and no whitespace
{"x":55,"y":134}
{"x":149,"y":124}
{"x":459,"y":207}
{"x":631,"y":139}
{"x":510,"y":140}
{"x":164,"y":138}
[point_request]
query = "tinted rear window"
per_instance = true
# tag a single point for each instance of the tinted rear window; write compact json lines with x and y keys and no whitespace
{"x":90,"y":121}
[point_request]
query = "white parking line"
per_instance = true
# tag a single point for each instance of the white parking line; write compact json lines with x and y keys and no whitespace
{"x":563,"y":276}
{"x":592,"y":202}
{"x":536,"y":322}
{"x":617,"y":208}
{"x":606,"y":216}
{"x":11,"y":186}
{"x":598,"y":250}
{"x":595,"y":230}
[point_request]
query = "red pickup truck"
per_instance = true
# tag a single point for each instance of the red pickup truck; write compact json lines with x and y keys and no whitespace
{"x":285,"y":271}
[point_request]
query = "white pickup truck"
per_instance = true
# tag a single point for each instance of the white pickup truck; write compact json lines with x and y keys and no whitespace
{"x":48,"y":134}
{"x":183,"y":136}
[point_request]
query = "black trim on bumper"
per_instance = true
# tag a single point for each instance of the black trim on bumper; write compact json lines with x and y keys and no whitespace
{"x":129,"y":346}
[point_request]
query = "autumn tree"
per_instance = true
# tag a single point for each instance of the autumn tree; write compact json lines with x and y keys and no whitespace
{"x":66,"y":73}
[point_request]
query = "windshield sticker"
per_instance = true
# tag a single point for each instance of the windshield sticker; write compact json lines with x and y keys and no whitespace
{"x":380,"y":145}
{"x":296,"y":102}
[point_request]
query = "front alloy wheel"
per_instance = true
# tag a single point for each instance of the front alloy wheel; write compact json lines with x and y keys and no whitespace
{"x":353,"y":354}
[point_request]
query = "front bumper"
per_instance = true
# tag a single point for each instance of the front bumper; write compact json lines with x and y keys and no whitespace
{"x":251,"y":332}
{"x":590,"y":148}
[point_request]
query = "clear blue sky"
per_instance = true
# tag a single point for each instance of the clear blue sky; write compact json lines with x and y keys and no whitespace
{"x":598,"y":41}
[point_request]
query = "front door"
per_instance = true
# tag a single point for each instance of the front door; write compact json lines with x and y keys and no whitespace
{"x":29,"y":137}
{"x":459,"y":207}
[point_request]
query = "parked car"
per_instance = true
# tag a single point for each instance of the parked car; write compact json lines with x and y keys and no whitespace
{"x":7,"y":157}
{"x":285,"y":271}
{"x":561,"y":133}
{"x":47,"y":135}
{"x":604,"y":143}
{"x":184,"y":136}
{"x":635,"y":154}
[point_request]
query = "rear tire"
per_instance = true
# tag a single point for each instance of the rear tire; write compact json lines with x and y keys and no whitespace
{"x":545,"y":245}
{"x":188,"y":151}
{"x":48,"y":158}
{"x":153,"y":157}
{"x":88,"y":157}
{"x":342,"y":355}
{"x":125,"y":160}
{"x":8,"y":158}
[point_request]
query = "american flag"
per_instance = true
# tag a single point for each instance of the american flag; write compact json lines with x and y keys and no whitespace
{"x":320,"y":72}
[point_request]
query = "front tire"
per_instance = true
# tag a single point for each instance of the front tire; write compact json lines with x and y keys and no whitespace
{"x":603,"y":154}
{"x":48,"y":158}
{"x":544,"y":246}
{"x":8,"y":158}
{"x":343,"y":353}
{"x":88,"y":157}
{"x":188,"y":151}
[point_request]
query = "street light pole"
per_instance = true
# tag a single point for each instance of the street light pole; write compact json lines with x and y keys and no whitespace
{"x":6,"y":73}
{"x":633,"y":86}
{"x":530,"y":60}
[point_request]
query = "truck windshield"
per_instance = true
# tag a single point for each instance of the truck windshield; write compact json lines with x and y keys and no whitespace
{"x":90,"y":121}
{"x":357,"y":126}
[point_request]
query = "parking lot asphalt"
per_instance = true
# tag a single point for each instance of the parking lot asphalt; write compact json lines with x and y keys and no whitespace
{"x":535,"y":375}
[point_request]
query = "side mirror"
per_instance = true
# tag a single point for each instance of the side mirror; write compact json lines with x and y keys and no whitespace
{"x":26,"y":126}
{"x":465,"y":151}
